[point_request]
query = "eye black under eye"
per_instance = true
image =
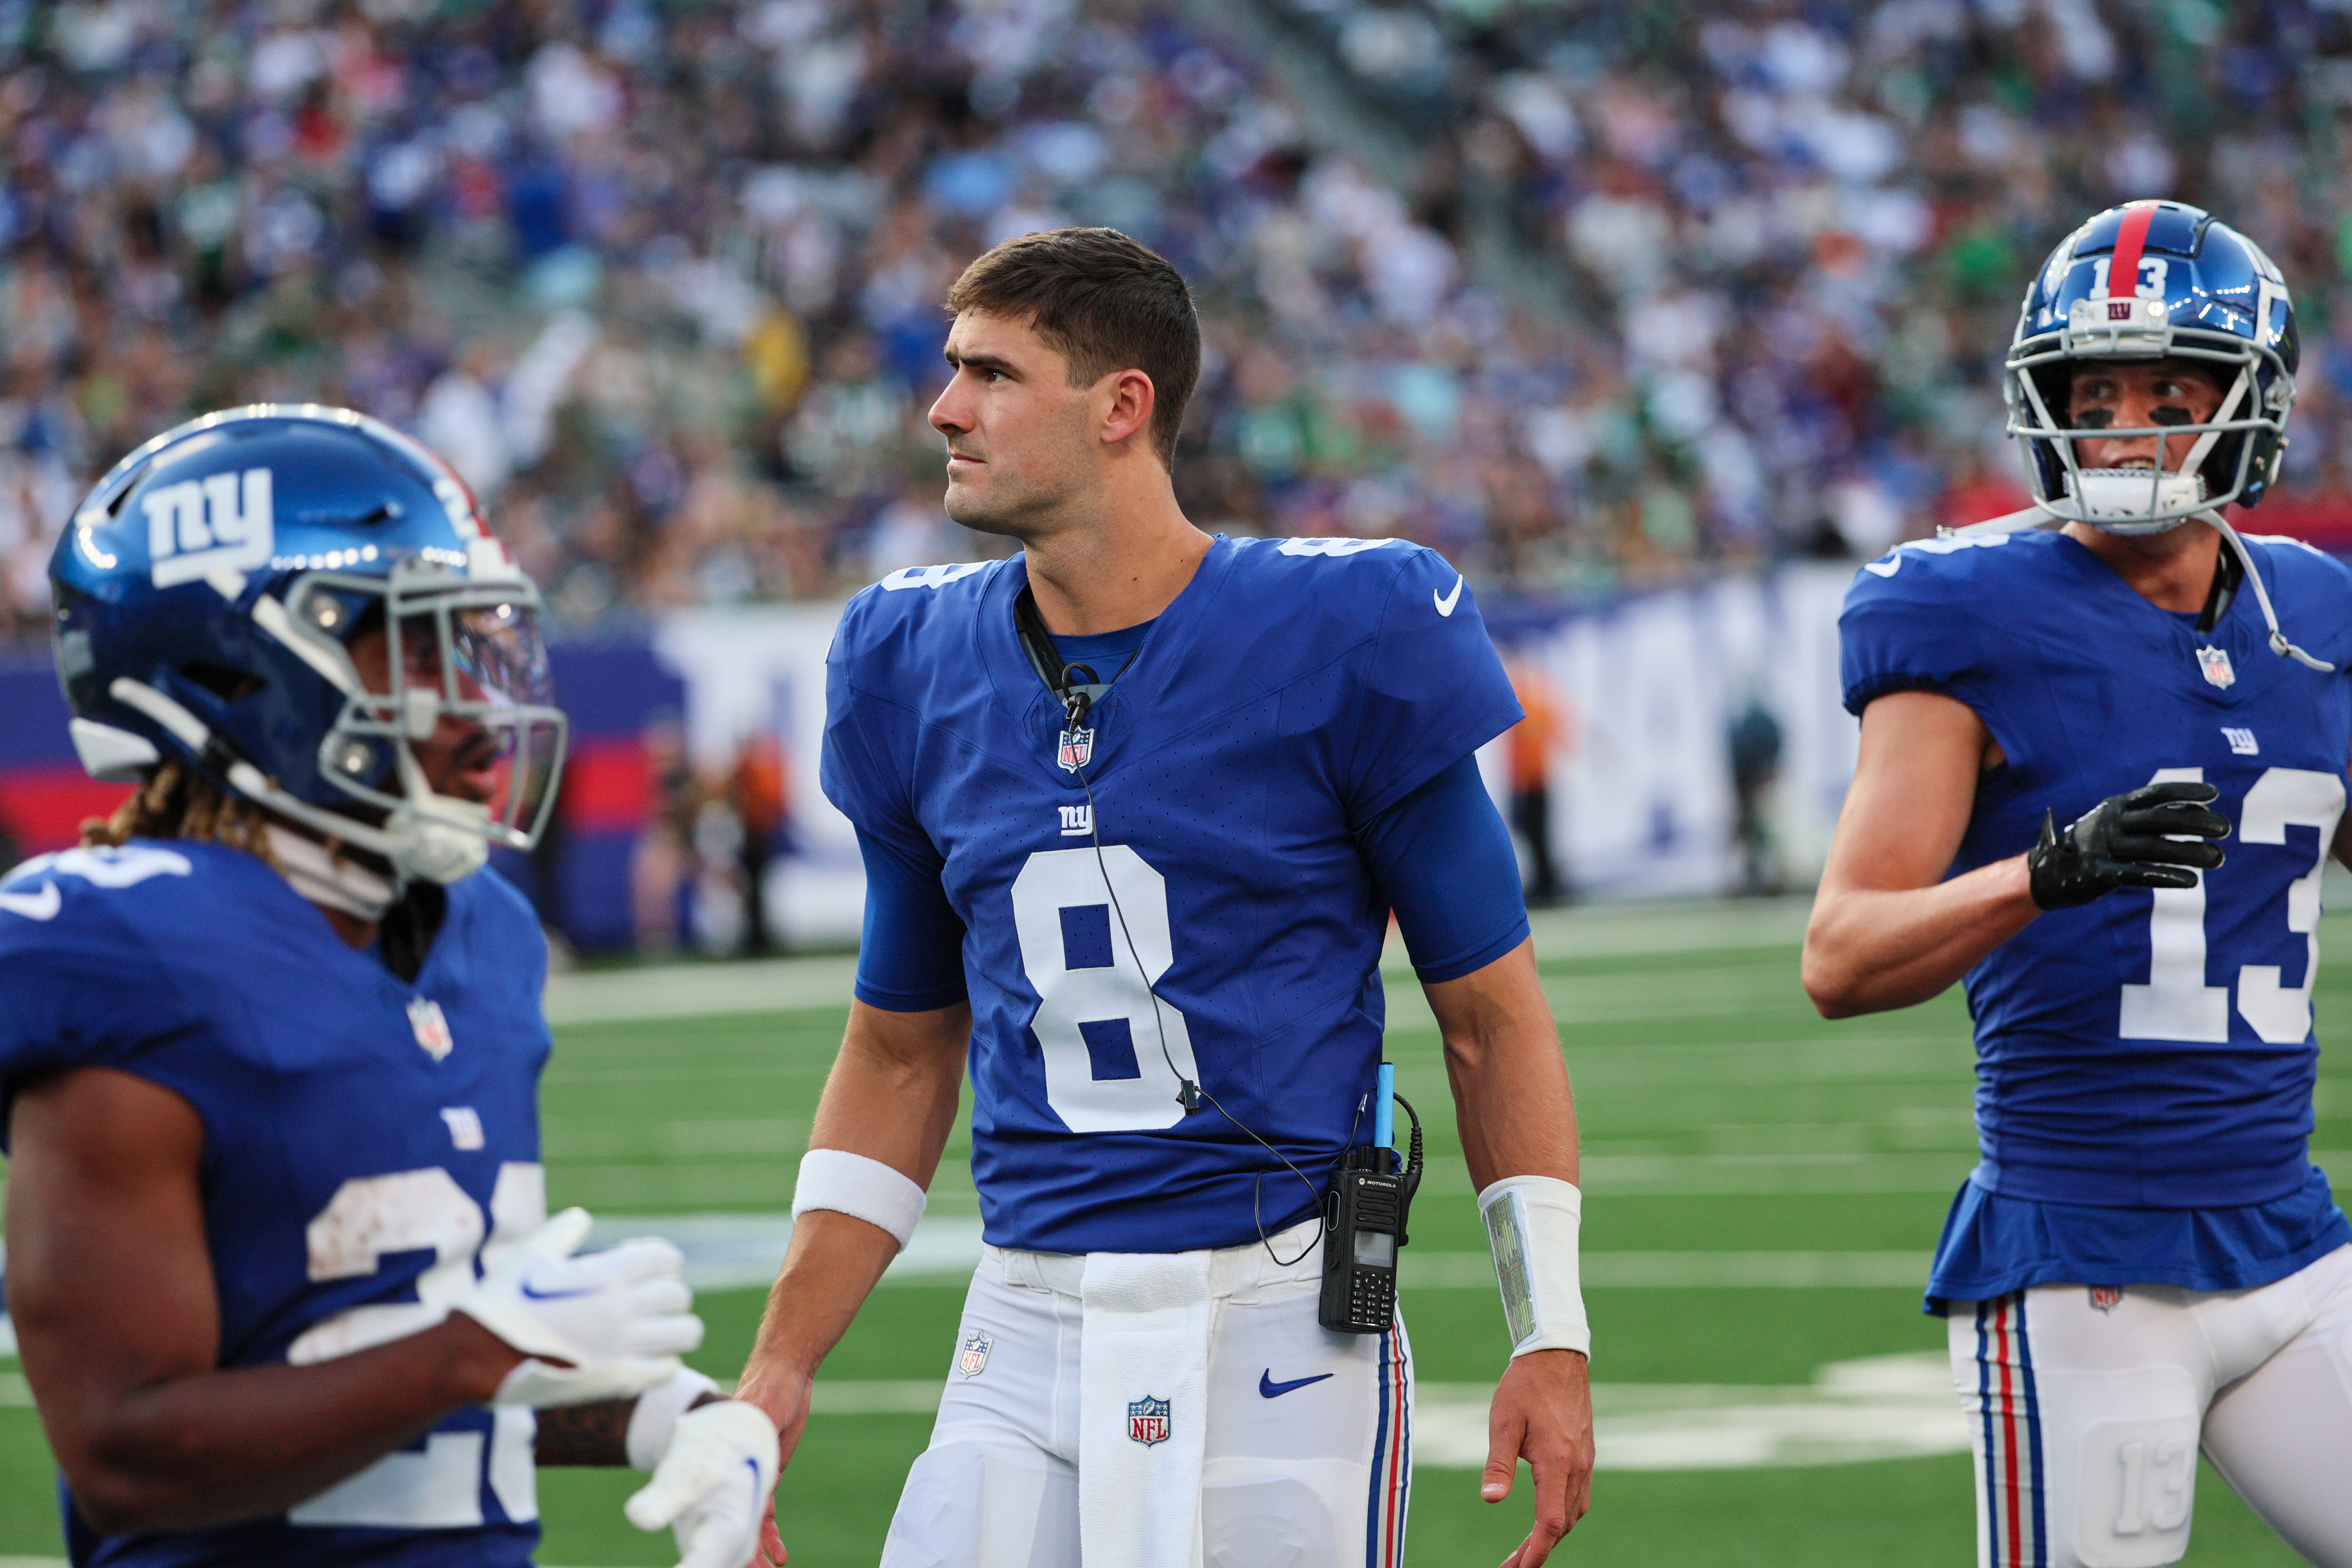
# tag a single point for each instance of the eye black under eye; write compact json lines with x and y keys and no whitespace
{"x":2094,"y":418}
{"x":2168,"y":414}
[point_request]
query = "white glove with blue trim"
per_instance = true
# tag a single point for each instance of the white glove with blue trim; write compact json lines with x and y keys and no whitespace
{"x":606,"y":1325}
{"x":711,"y":1483}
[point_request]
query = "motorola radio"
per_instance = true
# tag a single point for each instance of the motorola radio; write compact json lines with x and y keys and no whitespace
{"x":1364,"y":1216}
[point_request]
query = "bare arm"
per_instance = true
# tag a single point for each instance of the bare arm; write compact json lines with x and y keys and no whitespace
{"x":2343,"y":846}
{"x":110,"y":1286}
{"x":891,"y":1097}
{"x":1517,"y":1118}
{"x":1887,"y":931}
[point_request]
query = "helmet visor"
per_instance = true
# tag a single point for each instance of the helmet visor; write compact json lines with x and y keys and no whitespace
{"x":495,"y":735}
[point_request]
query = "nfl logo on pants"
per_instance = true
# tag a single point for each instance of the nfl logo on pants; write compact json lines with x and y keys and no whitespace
{"x":1147,"y":1421}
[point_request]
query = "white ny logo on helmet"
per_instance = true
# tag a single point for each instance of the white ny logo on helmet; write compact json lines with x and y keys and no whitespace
{"x":221,"y":522}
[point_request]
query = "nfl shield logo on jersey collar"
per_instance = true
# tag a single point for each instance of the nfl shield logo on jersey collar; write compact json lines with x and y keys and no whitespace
{"x":432,"y":1028}
{"x":1147,"y":1421}
{"x":1078,"y":750}
{"x":2215,"y":663}
{"x":972,"y":1359}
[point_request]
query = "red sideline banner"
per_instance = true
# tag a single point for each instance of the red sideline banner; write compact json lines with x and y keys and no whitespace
{"x":44,"y":805}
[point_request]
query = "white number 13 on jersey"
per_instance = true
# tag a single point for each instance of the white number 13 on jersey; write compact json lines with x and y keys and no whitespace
{"x":2176,"y":1003}
{"x":1095,"y":1004}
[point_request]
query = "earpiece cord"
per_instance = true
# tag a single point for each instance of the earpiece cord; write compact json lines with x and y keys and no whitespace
{"x":1045,"y":656}
{"x":1192,"y":1094}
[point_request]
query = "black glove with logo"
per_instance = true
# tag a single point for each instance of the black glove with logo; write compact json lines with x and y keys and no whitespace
{"x":2126,"y":841}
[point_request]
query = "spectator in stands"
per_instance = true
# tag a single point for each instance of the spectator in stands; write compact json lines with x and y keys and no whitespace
{"x":1580,"y":298}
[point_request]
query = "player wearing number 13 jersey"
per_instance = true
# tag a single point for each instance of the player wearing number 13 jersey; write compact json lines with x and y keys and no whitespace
{"x":2102,"y":767}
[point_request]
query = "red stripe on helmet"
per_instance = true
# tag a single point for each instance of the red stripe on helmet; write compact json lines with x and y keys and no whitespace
{"x":2131,"y":237}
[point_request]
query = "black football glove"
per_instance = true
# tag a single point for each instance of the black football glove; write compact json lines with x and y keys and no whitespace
{"x":2124,"y":842}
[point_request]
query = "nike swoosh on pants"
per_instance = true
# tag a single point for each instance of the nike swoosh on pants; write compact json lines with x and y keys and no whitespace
{"x":1269,"y":1389}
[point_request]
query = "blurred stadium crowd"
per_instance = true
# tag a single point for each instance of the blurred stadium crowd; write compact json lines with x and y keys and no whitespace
{"x":1586,"y":294}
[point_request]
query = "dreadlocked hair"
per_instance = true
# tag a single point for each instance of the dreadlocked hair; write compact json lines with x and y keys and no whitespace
{"x":177,"y":800}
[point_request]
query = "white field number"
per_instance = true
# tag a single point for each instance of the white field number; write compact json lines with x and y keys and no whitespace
{"x":2176,"y":1003}
{"x":367,"y":1220}
{"x":1054,"y":880}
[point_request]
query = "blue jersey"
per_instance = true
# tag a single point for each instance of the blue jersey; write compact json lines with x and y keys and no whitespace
{"x":2145,"y":1062}
{"x":365,"y":1140}
{"x":1291,"y":693}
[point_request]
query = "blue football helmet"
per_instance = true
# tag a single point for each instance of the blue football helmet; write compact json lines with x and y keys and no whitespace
{"x":2143,"y":281}
{"x":212,"y":593}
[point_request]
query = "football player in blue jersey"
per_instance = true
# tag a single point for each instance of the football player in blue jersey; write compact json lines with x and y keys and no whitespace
{"x":1135,"y":807}
{"x":279,"y":1265}
{"x":2104,"y":753}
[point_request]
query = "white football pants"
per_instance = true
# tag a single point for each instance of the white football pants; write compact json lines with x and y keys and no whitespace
{"x":1309,"y":1460}
{"x":2088,"y":1407}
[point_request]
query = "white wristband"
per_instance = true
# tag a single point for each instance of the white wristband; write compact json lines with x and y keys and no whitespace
{"x":851,"y":1184}
{"x":1531,"y":1224}
{"x":655,"y":1416}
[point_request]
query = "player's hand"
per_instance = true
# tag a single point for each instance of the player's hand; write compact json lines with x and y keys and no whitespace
{"x":782,"y":1391}
{"x":608,"y":1325}
{"x":712,"y":1484}
{"x":2149,"y":837}
{"x":1542,"y":1413}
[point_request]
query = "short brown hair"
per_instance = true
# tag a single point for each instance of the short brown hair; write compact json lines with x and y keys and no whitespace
{"x":1104,"y":303}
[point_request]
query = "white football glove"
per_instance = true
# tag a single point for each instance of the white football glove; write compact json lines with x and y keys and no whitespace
{"x":711,"y":1485}
{"x":619,"y":1318}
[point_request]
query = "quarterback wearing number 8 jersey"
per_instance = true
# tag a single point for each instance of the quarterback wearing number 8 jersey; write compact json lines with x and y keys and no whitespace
{"x":2104,"y":764}
{"x":1135,"y":805}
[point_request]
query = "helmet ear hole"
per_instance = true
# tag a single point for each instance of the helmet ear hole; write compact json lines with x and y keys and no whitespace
{"x":228,"y":684}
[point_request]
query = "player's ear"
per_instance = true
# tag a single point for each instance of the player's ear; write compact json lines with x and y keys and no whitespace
{"x":1125,"y":399}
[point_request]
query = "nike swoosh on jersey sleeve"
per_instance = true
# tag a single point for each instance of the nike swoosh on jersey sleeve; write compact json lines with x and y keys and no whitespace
{"x":1445,"y":602}
{"x":41,"y":906}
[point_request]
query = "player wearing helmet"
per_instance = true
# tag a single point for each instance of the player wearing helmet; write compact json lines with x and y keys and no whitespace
{"x":2067,"y":718}
{"x":279,"y":1264}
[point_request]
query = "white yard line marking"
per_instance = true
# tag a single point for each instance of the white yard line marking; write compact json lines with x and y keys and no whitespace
{"x":734,"y":1251}
{"x":1883,"y":1407}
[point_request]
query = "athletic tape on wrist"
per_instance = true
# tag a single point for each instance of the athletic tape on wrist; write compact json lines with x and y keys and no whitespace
{"x":1531,"y":1227}
{"x":655,"y":1417}
{"x":851,"y":1184}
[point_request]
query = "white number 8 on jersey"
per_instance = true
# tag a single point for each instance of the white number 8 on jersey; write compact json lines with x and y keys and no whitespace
{"x":1107,"y":997}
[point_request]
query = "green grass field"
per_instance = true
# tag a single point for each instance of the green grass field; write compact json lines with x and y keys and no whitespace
{"x":1762,"y":1190}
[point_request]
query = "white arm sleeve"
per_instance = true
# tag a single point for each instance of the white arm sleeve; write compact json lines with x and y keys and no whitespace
{"x":851,"y":1184}
{"x":1532,"y":1224}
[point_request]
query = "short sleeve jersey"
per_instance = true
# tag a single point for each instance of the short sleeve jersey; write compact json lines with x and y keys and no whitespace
{"x":2145,"y":1062}
{"x":1292,"y":691}
{"x":367,"y":1141}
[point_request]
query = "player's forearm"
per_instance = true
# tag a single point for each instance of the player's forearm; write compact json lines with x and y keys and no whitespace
{"x":1868,"y":949}
{"x":218,"y":1446}
{"x":1511,"y":1096}
{"x":891,"y":1097}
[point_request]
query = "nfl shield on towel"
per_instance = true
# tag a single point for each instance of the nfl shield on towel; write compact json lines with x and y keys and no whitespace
{"x":2214,"y":661}
{"x":972,"y":1359}
{"x":1147,"y":1421}
{"x":1078,"y":749}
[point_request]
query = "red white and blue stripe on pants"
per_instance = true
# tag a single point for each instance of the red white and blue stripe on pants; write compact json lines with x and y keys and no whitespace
{"x":1391,"y":1488}
{"x":2010,"y":1432}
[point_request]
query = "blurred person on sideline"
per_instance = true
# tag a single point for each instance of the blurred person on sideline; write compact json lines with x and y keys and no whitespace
{"x":1529,"y":745}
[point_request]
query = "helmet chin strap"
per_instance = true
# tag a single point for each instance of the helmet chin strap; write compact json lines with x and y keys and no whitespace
{"x":414,"y":843}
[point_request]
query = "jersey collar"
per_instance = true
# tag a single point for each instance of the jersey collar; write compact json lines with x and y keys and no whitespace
{"x":1032,"y":712}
